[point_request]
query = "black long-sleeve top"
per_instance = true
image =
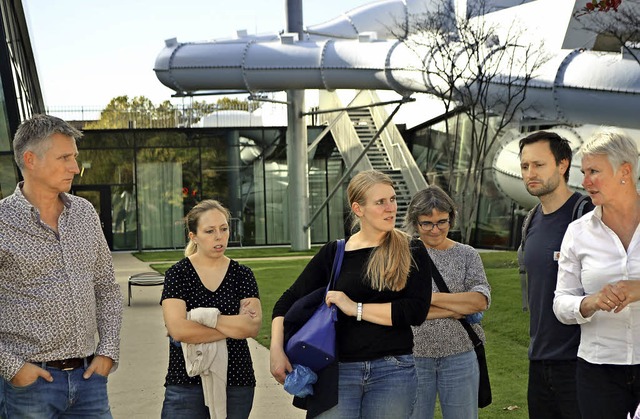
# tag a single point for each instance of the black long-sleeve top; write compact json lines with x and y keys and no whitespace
{"x":363,"y":341}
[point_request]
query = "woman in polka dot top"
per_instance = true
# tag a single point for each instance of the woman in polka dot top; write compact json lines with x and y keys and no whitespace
{"x":208,"y":278}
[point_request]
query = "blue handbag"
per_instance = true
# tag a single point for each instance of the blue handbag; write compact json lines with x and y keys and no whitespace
{"x":314,"y":344}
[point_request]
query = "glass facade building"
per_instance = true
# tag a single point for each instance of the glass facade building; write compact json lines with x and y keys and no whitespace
{"x":444,"y":159}
{"x":143,"y":181}
{"x":20,"y":94}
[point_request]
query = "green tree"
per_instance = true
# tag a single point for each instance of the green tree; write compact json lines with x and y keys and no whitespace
{"x":199,"y":109}
{"x":140,"y":112}
{"x":234,"y":104}
{"x":111,"y":115}
{"x":166,"y":115}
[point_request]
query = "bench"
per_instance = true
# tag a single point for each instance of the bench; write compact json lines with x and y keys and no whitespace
{"x":144,"y":279}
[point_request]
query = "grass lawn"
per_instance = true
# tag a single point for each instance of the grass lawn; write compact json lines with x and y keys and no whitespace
{"x":505,"y":324}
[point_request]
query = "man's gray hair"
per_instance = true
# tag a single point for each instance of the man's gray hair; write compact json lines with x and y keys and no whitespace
{"x":34,"y":133}
{"x":616,"y":145}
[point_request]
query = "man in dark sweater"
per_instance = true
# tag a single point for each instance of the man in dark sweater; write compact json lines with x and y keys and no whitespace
{"x":545,"y":159}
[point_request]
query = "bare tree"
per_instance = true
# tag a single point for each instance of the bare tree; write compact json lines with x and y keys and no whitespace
{"x":482,"y":71}
{"x":616,"y":24}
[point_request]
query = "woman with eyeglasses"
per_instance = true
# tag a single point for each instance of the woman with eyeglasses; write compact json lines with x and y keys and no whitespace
{"x":446,"y":362}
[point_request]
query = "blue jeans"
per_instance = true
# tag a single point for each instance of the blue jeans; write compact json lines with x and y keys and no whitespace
{"x":379,"y":389}
{"x":187,"y":401}
{"x":454,"y":379}
{"x":68,"y":396}
{"x":552,"y":390}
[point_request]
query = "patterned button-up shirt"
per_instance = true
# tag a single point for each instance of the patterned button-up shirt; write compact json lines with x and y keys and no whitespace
{"x":57,"y":290}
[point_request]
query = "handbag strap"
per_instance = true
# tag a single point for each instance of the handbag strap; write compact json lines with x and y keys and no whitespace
{"x":442,"y":286}
{"x":337,"y":264}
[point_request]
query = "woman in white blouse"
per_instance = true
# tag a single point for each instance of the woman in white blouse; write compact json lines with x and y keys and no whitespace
{"x":599,"y":279}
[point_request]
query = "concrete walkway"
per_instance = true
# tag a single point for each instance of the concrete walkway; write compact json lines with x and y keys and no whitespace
{"x":136,"y":389}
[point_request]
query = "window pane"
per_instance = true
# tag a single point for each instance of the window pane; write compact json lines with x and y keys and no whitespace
{"x":8,"y":175}
{"x":103,"y":167}
{"x":165,"y":185}
{"x":5,"y":135}
{"x":277,"y":201}
{"x":125,"y":231}
{"x":106,"y":139}
{"x":163,"y":138}
{"x":317,"y":195}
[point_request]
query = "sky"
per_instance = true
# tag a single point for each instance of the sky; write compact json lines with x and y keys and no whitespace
{"x":90,"y":51}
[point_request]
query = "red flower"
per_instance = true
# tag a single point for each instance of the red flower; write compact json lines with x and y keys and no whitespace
{"x":599,"y":6}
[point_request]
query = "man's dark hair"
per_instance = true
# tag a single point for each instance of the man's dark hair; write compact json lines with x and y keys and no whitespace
{"x":559,"y":146}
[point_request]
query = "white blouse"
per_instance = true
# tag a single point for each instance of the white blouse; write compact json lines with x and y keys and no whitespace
{"x":592,"y":256}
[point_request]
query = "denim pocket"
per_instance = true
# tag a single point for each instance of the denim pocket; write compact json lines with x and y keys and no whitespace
{"x":402,"y":361}
{"x":27,"y":387}
{"x":99,"y":376}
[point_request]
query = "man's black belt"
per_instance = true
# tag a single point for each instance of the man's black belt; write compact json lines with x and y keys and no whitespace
{"x":67,"y":364}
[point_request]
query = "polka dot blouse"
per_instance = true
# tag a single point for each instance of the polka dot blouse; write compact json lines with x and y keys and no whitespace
{"x":182,"y":282}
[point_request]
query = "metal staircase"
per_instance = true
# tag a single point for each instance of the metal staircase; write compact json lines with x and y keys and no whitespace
{"x":380,"y":160}
{"x":354,"y":129}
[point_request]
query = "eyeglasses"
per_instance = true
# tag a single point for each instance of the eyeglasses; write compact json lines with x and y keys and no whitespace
{"x":428,"y":225}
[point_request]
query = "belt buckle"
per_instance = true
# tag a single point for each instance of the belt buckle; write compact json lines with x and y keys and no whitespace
{"x":64,"y":367}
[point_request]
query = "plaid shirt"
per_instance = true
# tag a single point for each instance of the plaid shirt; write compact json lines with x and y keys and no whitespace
{"x":57,"y":290}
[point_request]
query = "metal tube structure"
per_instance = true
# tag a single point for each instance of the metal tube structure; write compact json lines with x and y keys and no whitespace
{"x":298,"y":169}
{"x":578,"y":85}
{"x":575,"y":86}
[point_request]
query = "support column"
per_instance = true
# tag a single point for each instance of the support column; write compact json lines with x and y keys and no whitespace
{"x":297,"y":165}
{"x":298,"y":172}
{"x":233,"y":175}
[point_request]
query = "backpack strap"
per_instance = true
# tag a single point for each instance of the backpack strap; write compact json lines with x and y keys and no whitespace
{"x":578,"y":211}
{"x":578,"y":208}
{"x":522,"y":269}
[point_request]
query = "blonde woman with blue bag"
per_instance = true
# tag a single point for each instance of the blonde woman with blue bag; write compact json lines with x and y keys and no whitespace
{"x":383,"y":289}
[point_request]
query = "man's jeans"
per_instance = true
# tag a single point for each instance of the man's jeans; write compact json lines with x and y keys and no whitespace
{"x":454,"y":379}
{"x":187,"y":401}
{"x":552,"y":392}
{"x":68,"y":396}
{"x":380,"y":389}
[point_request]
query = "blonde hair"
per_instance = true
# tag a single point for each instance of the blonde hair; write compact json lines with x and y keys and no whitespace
{"x":193,"y":218}
{"x":389,"y":264}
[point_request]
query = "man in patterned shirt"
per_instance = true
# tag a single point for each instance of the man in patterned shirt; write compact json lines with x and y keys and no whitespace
{"x":57,"y":285}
